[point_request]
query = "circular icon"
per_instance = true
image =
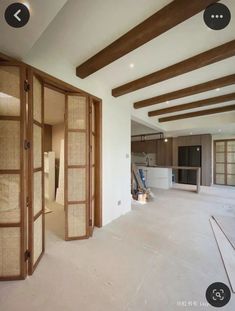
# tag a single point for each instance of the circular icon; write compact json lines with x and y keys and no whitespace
{"x":217,"y":16}
{"x":218,"y":294}
{"x":17,"y":15}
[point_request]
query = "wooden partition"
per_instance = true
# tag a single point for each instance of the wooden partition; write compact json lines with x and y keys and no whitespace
{"x":36,"y":171}
{"x":12,"y":172}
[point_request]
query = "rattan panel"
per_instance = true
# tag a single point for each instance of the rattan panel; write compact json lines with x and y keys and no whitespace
{"x":220,"y":157}
{"x":231,"y":180}
{"x":9,"y":198}
{"x":37,"y":146}
{"x":9,"y":145}
{"x":37,"y":239}
{"x":37,"y":192}
{"x":9,"y":252}
{"x":220,"y":146}
{"x":220,"y":179}
{"x":231,"y":146}
{"x":76,"y":220}
{"x":76,"y":148}
{"x":76,"y":112}
{"x":77,"y":184}
{"x":231,"y":168}
{"x":10,"y":81}
{"x":231,"y":157}
{"x":37,"y":100}
{"x":9,"y":106}
{"x":220,"y":168}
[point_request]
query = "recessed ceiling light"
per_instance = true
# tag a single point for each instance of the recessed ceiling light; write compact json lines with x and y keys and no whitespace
{"x":132,"y":65}
{"x":165,"y":140}
{"x":219,"y":130}
{"x":191,"y":133}
{"x":218,"y":89}
{"x":167,"y":101}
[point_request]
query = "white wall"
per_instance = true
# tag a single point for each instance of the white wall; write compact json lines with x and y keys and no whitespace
{"x":57,"y":136}
{"x":116,"y":123}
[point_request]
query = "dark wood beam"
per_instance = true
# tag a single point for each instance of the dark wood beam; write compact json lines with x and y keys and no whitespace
{"x":198,"y":113}
{"x":192,"y":90}
{"x":168,"y":17}
{"x":196,"y":104}
{"x":201,"y":60}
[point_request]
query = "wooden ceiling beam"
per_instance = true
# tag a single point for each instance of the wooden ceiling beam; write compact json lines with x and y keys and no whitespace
{"x":212,"y":56}
{"x":198,"y":113}
{"x":192,"y":90}
{"x":168,"y":17}
{"x":196,"y":104}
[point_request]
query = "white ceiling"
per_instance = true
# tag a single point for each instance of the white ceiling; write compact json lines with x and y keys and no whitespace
{"x":54,"y":107}
{"x":139,"y":129}
{"x":82,"y":28}
{"x":18,"y":41}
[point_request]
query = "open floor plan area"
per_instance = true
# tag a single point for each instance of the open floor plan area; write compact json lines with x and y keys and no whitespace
{"x":117,"y":155}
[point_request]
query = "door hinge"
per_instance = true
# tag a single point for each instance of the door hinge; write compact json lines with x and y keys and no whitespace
{"x":26,"y":85}
{"x":26,"y":144}
{"x":27,"y":201}
{"x":27,"y":255}
{"x":90,"y":222}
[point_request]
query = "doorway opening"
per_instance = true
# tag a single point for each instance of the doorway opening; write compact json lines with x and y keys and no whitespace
{"x":32,"y":165}
{"x":54,"y":132}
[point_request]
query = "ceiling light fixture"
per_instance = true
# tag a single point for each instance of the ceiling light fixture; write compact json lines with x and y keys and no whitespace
{"x":165,"y":140}
{"x":167,"y":101}
{"x":218,"y":89}
{"x":191,"y":133}
{"x":132,"y":65}
{"x":219,"y":130}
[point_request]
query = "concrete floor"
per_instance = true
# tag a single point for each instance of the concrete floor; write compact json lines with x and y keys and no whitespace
{"x":157,"y":257}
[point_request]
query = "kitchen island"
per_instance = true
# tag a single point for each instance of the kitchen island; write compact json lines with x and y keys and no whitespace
{"x":160,"y":177}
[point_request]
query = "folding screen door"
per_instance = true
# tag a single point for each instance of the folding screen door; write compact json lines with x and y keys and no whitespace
{"x":12,"y":176}
{"x":36,"y":170}
{"x":76,"y":167}
{"x":92,"y":126}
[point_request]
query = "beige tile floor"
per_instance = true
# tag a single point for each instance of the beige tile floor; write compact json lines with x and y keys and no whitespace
{"x":156,"y":256}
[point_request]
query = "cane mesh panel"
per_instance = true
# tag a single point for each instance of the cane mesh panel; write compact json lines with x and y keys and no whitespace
{"x":76,"y":220}
{"x":76,"y":148}
{"x":9,"y":198}
{"x":9,"y":145}
{"x":9,"y":106}
{"x":220,"y":179}
{"x":231,"y":157}
{"x":231,"y":146}
{"x":37,"y":239}
{"x":220,"y":157}
{"x":37,"y":146}
{"x":76,"y":184}
{"x":9,"y":252}
{"x":220,"y":168}
{"x":231,"y":168}
{"x":76,"y":112}
{"x":220,"y":146}
{"x":231,"y":180}
{"x":10,"y":81}
{"x":37,"y":192}
{"x":37,"y":100}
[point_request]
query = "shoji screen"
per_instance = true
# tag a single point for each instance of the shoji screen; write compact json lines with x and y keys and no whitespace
{"x":12,"y":161}
{"x":36,"y":169}
{"x":76,"y":166}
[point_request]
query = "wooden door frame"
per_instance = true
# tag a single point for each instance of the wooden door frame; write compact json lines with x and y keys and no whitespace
{"x":57,"y":84}
{"x":225,"y":163}
{"x":31,"y":170}
{"x":22,"y":224}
